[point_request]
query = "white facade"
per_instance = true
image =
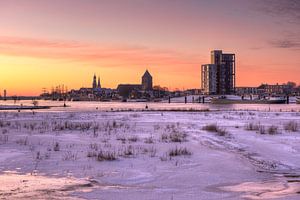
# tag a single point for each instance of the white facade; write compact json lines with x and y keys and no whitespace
{"x":209,"y":78}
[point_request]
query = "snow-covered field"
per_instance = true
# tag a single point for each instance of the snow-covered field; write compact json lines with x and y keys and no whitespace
{"x":150,"y":155}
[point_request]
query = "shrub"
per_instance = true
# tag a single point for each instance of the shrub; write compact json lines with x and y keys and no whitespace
{"x":38,"y":156}
{"x":262,"y":130}
{"x":56,"y":146}
{"x":252,"y":127}
{"x":149,"y":140}
{"x":156,"y":127}
{"x":106,"y":156}
{"x":174,"y":137}
{"x":94,"y":146}
{"x":135,"y":115}
{"x":133,"y":139}
{"x":291,"y":126}
{"x":69,"y":155}
{"x":165,"y":157}
{"x":114,"y":124}
{"x":95,"y":130}
{"x":210,"y":128}
{"x":214,"y":128}
{"x":22,"y":141}
{"x":47,"y":155}
{"x":273,"y":130}
{"x":122,"y":139}
{"x":4,"y":131}
{"x":152,"y":152}
{"x":128,"y":151}
{"x":179,"y":152}
{"x":177,"y":137}
{"x":164,"y":137}
{"x":3,"y":139}
{"x":221,"y":132}
{"x":92,"y":154}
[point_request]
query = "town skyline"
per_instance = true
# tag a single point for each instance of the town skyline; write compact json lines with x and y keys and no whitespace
{"x":42,"y":46}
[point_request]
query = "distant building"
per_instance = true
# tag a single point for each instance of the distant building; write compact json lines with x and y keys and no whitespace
{"x":125,"y":90}
{"x":142,"y":91}
{"x":147,"y":81}
{"x":275,"y":89}
{"x":267,"y":89}
{"x":95,"y":93}
{"x":96,"y":85}
{"x":4,"y":95}
{"x":137,"y":90}
{"x":99,"y":85}
{"x":209,"y":78}
{"x":247,"y":90}
{"x":219,"y":76}
{"x":94,"y":82}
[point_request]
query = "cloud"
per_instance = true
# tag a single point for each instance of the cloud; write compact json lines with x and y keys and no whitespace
{"x":288,"y":9}
{"x":285,"y":44}
{"x":285,"y":14}
{"x":40,"y":43}
{"x":88,"y":52}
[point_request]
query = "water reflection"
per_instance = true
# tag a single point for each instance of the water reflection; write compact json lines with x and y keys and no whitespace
{"x":108,"y":106}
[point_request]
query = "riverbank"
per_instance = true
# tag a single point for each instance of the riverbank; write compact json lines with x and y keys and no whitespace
{"x":13,"y":107}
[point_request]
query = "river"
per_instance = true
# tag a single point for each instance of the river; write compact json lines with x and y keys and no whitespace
{"x":121,"y":106}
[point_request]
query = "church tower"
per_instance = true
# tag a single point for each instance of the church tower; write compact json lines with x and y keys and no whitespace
{"x":99,"y":85}
{"x":147,"y":81}
{"x":94,"y":82}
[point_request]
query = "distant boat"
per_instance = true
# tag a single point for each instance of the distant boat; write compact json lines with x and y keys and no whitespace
{"x":226,"y":100}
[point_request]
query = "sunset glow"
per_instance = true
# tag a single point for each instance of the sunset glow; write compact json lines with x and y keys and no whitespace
{"x":47,"y":43}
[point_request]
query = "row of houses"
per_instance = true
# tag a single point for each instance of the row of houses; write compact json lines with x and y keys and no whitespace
{"x":267,"y":89}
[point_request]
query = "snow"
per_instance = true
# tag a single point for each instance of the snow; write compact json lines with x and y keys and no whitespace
{"x":22,"y":186}
{"x":241,"y":164}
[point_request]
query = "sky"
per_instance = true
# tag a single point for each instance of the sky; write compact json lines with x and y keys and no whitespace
{"x":45,"y":43}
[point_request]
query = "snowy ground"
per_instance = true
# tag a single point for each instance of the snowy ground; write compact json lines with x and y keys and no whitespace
{"x":150,"y":155}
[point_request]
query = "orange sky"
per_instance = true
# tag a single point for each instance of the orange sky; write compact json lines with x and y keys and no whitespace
{"x":47,"y":43}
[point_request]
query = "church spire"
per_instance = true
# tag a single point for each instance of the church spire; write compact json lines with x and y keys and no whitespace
{"x":99,"y":85}
{"x":94,"y":82}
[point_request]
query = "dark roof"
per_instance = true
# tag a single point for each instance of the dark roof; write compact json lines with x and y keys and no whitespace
{"x":129,"y":86}
{"x":147,"y":74}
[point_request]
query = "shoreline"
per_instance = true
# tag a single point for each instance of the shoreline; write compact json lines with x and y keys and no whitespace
{"x":9,"y":107}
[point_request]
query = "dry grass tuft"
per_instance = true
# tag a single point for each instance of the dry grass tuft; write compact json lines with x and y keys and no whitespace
{"x":179,"y":152}
{"x":252,"y":126}
{"x":56,"y":146}
{"x":214,"y":128}
{"x":273,"y":130}
{"x":106,"y":156}
{"x":291,"y":126}
{"x":174,"y":137}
